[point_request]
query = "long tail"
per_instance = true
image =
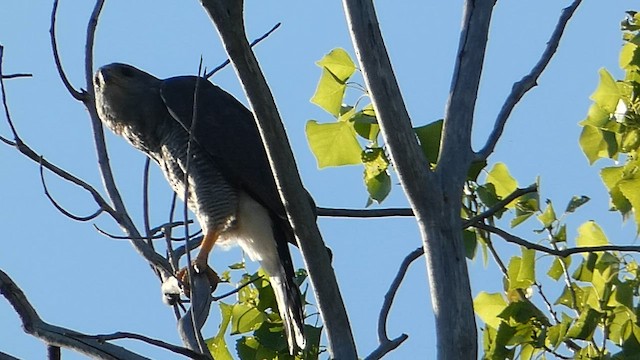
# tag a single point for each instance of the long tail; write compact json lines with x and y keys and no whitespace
{"x":287,"y":293}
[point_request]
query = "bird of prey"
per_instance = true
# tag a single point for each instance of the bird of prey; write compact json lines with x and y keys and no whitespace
{"x":231,"y":188}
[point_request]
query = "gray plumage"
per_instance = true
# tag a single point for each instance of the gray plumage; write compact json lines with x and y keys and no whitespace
{"x":231,"y":189}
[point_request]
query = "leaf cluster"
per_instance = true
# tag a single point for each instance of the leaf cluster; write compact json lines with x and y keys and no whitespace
{"x":612,"y":127}
{"x":254,"y":321}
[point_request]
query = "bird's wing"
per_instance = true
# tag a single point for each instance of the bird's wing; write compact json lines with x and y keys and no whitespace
{"x":226,"y":130}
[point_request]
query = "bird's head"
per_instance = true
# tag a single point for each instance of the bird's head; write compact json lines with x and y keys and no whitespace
{"x":127,"y":100}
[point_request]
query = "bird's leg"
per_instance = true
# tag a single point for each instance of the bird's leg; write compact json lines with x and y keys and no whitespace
{"x":199,"y":265}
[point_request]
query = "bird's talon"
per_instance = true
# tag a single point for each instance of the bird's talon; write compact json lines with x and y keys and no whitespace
{"x":200,"y":269}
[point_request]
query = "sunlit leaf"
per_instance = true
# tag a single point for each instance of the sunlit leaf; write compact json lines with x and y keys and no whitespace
{"x":548,"y":216}
{"x":333,"y":144}
{"x":339,"y":63}
{"x":607,"y":93}
{"x":245,"y":318}
{"x":590,"y":234}
{"x":556,"y":270}
{"x":217,"y":344}
{"x":376,"y":176}
{"x":502,"y":180}
{"x":488,"y":306}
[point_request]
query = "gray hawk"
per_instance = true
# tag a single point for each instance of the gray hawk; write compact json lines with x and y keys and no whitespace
{"x":232,"y":191}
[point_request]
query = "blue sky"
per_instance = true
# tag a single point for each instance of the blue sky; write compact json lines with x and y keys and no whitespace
{"x":79,"y":279}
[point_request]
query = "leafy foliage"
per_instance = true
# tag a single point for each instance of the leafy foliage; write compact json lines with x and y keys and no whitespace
{"x":256,"y":324}
{"x":612,"y":126}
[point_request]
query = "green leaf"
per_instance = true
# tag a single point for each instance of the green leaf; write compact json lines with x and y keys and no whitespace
{"x":217,"y":344}
{"x":329,"y":93}
{"x":607,"y":93}
{"x":339,"y":63}
{"x":596,"y":144}
{"x":586,"y":324}
{"x":366,"y":126}
{"x":333,"y":144}
{"x":630,"y":188}
{"x":611,"y":177}
{"x":470,"y":243}
{"x":556,"y":270}
{"x":548,"y":216}
{"x":576,"y":202}
{"x":245,"y":318}
{"x":488,"y":307}
{"x":337,"y":67}
{"x":376,"y":176}
{"x":556,"y":334}
{"x":237,"y":266}
{"x":429,"y":136}
{"x":527,"y":271}
{"x":590,"y":234}
{"x":504,"y":183}
{"x":520,"y":312}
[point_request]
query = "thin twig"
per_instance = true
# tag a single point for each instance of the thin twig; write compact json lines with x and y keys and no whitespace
{"x":161,"y":344}
{"x":527,"y":82}
{"x":80,"y":96}
{"x":557,"y":252}
{"x":60,"y":208}
{"x":236,"y":290}
{"x":18,"y":75}
{"x":364,"y":213}
{"x":500,"y":205}
{"x":253,"y":43}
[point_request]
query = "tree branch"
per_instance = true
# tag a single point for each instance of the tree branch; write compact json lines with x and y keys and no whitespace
{"x":80,"y":96}
{"x":228,"y":18}
{"x":55,"y":335}
{"x":500,"y":205}
{"x":364,"y":213}
{"x":557,"y":252}
{"x":527,"y":82}
{"x":161,"y":344}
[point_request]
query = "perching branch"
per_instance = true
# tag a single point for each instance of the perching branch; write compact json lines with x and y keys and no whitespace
{"x":55,"y":335}
{"x":527,"y":82}
{"x":14,"y":76}
{"x":500,"y":205}
{"x":364,"y":213}
{"x":229,"y":21}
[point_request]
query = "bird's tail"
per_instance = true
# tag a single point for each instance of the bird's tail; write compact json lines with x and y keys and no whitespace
{"x":290,"y":307}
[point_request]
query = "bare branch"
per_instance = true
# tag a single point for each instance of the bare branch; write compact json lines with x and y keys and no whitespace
{"x":236,"y":290}
{"x":364,"y":213}
{"x":127,"y":335}
{"x":387,"y":345}
{"x":60,"y":208}
{"x":55,"y":335}
{"x":527,"y":82}
{"x":120,"y":214}
{"x":5,"y":356}
{"x":557,"y":252}
{"x":18,"y":75}
{"x":253,"y":43}
{"x":80,"y":96}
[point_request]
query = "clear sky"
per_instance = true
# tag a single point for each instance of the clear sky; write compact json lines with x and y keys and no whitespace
{"x":79,"y":279}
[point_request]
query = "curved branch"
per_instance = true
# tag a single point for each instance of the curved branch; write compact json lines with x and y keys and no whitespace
{"x":527,"y":82}
{"x":80,"y":96}
{"x":387,"y":345}
{"x":60,"y":208}
{"x":55,"y":335}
